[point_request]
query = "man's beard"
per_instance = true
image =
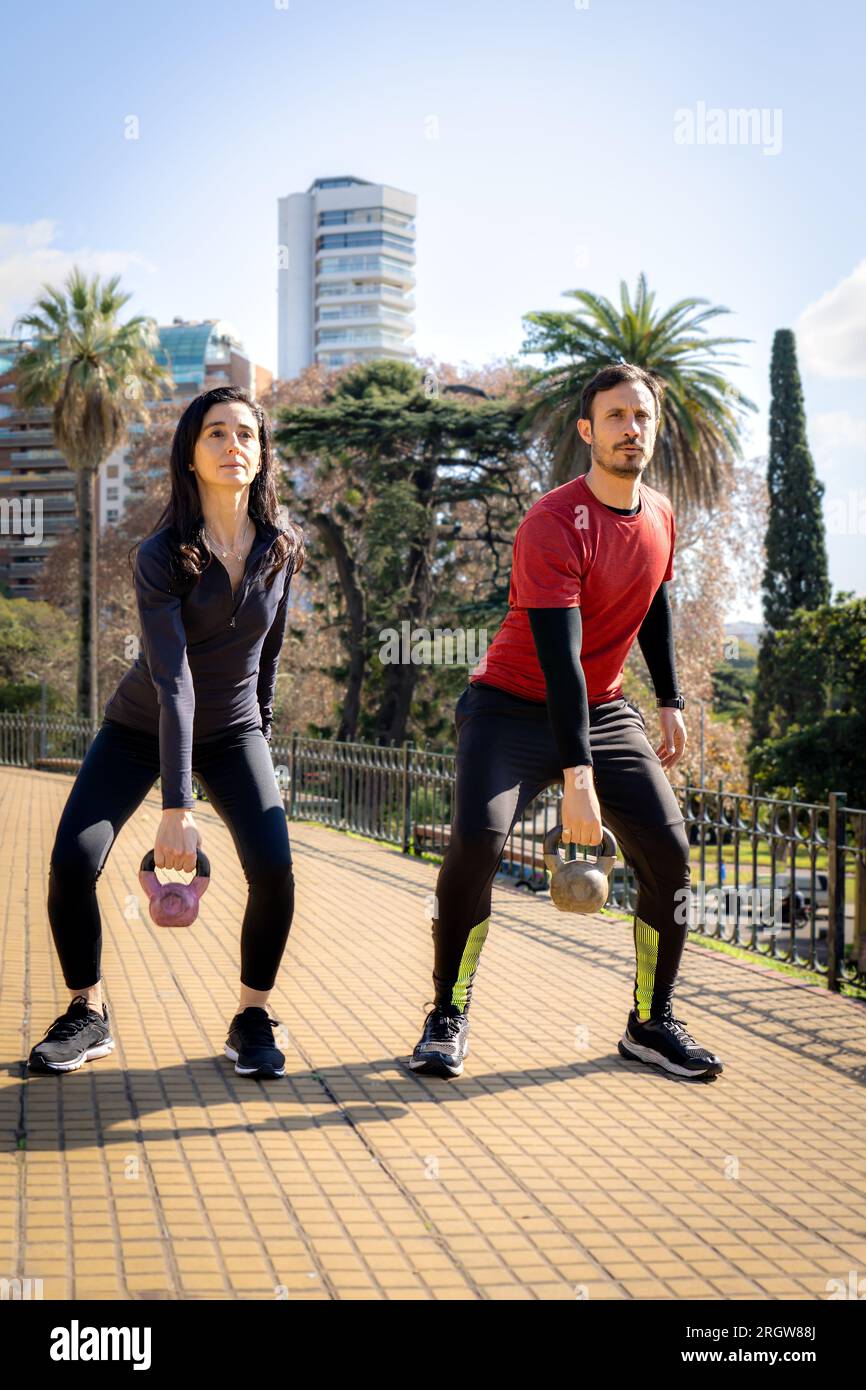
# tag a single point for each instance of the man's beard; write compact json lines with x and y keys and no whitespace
{"x":620,"y":464}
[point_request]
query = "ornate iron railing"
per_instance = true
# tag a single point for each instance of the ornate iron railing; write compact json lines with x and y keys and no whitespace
{"x":751,"y":853}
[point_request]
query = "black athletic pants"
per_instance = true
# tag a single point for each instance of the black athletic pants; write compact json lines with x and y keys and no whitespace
{"x":119,"y":769}
{"x":506,"y":755}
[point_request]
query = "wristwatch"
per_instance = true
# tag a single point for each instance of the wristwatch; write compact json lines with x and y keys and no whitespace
{"x":673,"y":702}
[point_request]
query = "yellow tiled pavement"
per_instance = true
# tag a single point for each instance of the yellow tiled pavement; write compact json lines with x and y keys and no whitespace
{"x":552,"y":1169}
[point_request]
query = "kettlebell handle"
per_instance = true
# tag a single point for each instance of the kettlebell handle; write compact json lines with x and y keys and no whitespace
{"x":607,"y":848}
{"x":202,"y":864}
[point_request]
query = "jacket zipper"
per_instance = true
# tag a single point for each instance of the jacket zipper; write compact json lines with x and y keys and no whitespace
{"x":241,"y":591}
{"x":241,"y":596}
{"x":245,"y":582}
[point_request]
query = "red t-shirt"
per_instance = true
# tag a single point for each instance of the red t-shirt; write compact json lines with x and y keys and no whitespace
{"x":571,"y":551}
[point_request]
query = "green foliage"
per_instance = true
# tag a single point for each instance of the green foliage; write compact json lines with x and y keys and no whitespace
{"x":818,"y":664}
{"x":33,"y":635}
{"x":819,"y":758}
{"x":795,"y":575}
{"x":732,"y":689}
{"x":403,"y":486}
{"x":796,"y":554}
{"x":25,"y":697}
{"x":36,"y":637}
{"x":396,"y":522}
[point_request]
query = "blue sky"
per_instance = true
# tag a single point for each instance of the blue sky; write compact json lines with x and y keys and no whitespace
{"x":540,"y":141}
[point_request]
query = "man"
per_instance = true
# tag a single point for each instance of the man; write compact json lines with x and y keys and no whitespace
{"x":591,"y":564}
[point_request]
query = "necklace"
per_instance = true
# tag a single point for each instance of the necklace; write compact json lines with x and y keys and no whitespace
{"x":238,"y":554}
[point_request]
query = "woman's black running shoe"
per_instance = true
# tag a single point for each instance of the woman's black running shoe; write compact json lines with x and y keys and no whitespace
{"x":250,"y":1044}
{"x":663,"y":1042}
{"x":76,"y":1037}
{"x":443,"y":1044}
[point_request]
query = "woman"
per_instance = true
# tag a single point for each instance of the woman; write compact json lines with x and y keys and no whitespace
{"x":212,"y":583}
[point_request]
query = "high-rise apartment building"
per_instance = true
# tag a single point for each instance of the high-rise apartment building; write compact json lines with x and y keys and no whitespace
{"x":346,"y":274}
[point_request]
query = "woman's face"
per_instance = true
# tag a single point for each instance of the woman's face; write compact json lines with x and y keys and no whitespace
{"x":227,"y":452}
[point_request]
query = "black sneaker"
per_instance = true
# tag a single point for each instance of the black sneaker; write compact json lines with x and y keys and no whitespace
{"x":250,"y":1044}
{"x":76,"y":1037}
{"x":663,"y":1042}
{"x":443,"y":1044}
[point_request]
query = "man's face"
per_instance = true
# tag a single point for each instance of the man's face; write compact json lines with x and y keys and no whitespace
{"x":622,"y":432}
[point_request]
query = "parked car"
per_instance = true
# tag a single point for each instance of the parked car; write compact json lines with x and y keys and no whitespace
{"x":803,"y":884}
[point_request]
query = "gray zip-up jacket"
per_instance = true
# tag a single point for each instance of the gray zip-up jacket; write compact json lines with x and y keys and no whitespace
{"x":208,"y":660}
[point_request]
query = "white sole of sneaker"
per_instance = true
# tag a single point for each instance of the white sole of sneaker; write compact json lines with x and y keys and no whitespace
{"x":89,"y":1056}
{"x":250,"y":1071}
{"x":416,"y":1063}
{"x":649,"y":1055}
{"x":435,"y":1068}
{"x":428,"y":1068}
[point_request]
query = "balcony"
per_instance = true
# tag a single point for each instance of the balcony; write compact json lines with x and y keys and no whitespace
{"x":368,"y":289}
{"x":34,"y":437}
{"x":355,"y":218}
{"x":360,"y":339}
{"x":364,"y":267}
{"x":37,"y":456}
{"x":366,"y":313}
{"x":28,"y":482}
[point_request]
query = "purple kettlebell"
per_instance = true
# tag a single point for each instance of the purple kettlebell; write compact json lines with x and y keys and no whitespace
{"x":174,"y":904}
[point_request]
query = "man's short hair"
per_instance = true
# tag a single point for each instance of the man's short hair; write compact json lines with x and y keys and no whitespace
{"x":612,"y":376}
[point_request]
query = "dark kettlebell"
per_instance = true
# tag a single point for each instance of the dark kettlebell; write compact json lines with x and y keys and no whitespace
{"x":579,"y":885}
{"x":174,"y":904}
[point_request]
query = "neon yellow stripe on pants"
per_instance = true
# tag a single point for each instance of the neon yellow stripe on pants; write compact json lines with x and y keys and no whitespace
{"x":646,"y":946}
{"x":469,"y":963}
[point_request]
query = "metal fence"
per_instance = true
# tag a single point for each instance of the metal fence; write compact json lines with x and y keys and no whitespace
{"x":751,"y":852}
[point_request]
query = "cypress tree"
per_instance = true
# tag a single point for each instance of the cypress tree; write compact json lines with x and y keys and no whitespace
{"x":796,"y":570}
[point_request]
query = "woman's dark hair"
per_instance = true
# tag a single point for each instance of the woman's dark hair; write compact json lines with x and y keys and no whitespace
{"x":183,"y":514}
{"x":612,"y":376}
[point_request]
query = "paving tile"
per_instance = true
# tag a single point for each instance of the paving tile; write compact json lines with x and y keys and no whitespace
{"x":352,"y":1178}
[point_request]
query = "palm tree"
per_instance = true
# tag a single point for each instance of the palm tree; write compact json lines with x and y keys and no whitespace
{"x":699,"y":434}
{"x":94,"y":374}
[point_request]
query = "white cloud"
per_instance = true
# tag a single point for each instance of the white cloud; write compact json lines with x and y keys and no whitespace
{"x":831,"y":333}
{"x":831,"y":435}
{"x":28,"y":260}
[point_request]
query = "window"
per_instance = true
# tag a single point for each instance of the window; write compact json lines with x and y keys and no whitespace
{"x":111,"y":492}
{"x":112,"y":471}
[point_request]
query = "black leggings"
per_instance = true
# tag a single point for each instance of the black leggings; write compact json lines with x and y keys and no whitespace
{"x":119,"y":769}
{"x":506,"y":755}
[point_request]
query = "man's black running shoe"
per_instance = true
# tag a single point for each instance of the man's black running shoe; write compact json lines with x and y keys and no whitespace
{"x":663,"y":1042}
{"x":443,"y":1044}
{"x":250,"y":1044}
{"x":76,"y":1037}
